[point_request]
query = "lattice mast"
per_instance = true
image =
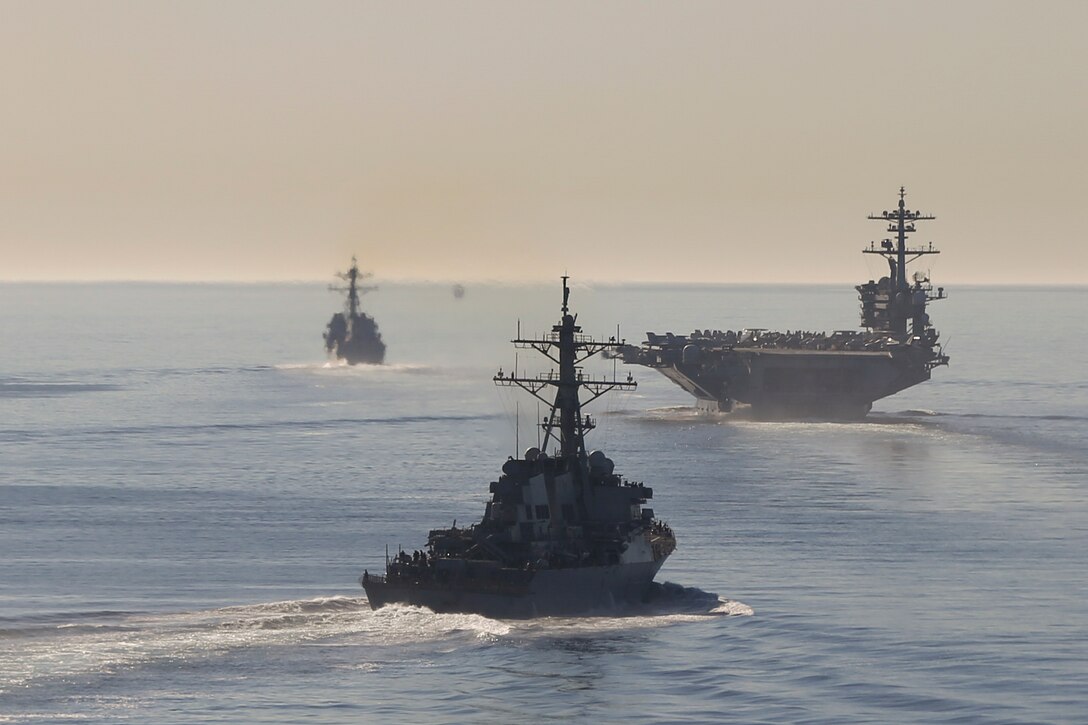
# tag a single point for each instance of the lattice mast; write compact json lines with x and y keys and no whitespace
{"x":353,"y":277}
{"x":568,"y":348}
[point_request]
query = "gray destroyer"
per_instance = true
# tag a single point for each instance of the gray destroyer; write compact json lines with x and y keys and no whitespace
{"x":563,"y":534}
{"x":352,"y":335}
{"x":831,"y":376}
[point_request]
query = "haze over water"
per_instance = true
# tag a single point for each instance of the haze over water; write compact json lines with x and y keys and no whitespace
{"x":189,"y":492}
{"x":721,"y":141}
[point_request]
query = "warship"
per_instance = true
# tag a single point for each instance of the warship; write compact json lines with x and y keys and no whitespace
{"x":828,"y":376}
{"x":562,"y":534}
{"x":352,"y":335}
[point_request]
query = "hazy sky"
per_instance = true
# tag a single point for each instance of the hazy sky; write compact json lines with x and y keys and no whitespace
{"x":672,"y":141}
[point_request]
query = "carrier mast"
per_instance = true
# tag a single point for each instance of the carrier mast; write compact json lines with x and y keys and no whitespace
{"x":904,"y":301}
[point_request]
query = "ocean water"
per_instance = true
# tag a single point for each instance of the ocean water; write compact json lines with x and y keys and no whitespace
{"x":189,"y":493}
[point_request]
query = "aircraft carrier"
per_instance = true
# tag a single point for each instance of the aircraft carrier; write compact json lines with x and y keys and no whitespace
{"x":828,"y":376}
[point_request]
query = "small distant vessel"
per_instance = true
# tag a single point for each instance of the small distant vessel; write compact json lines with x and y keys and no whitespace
{"x":562,"y":534}
{"x":352,"y":335}
{"x":830,"y":376}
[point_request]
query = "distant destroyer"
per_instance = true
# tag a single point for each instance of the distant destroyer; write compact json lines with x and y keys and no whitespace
{"x":833,"y":376}
{"x":562,"y":534}
{"x":352,"y":335}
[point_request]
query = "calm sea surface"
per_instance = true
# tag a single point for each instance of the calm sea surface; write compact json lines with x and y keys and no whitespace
{"x":189,"y":493}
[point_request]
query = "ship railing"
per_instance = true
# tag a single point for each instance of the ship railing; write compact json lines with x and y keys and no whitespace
{"x":580,"y":338}
{"x":456,"y":581}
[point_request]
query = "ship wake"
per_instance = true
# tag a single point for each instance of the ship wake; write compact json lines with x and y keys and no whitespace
{"x":340,"y":367}
{"x":672,"y":415}
{"x":51,"y":649}
{"x":43,"y":650}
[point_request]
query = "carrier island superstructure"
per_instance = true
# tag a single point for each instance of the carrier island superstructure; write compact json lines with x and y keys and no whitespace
{"x":830,"y":376}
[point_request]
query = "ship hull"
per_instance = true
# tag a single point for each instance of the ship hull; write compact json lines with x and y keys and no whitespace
{"x":785,"y":383}
{"x":355,"y":340}
{"x":543,"y":593}
{"x":370,"y":353}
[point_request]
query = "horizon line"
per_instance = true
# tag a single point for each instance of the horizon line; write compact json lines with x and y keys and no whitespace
{"x":506,"y":282}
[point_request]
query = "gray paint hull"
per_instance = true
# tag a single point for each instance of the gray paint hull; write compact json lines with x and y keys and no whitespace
{"x":788,"y":383}
{"x":550,"y":592}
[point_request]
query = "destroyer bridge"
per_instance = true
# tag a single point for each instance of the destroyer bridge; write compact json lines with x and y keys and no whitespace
{"x":802,"y":374}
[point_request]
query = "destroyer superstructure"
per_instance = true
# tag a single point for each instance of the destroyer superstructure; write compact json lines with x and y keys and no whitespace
{"x":352,"y":335}
{"x":562,"y":534}
{"x":821,"y":375}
